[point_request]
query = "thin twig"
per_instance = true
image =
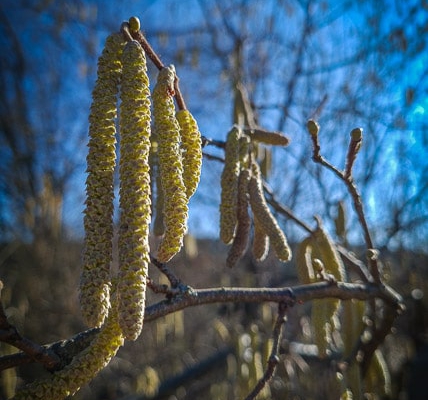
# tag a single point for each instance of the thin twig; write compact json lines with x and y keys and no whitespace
{"x":212,"y":157}
{"x":273,"y":360}
{"x":124,"y":29}
{"x":282,"y":209}
{"x":212,"y":142}
{"x":140,"y":38}
{"x":173,"y":280}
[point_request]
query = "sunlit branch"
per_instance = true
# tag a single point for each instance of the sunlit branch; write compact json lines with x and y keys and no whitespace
{"x":196,"y":297}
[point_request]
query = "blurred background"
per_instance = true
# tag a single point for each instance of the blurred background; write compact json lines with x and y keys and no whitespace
{"x":344,"y":63}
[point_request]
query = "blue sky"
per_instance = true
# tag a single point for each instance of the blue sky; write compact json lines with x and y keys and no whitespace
{"x":206,"y":87}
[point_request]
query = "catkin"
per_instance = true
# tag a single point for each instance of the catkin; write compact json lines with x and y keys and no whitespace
{"x":313,"y":254}
{"x":305,"y":270}
{"x":191,"y":145}
{"x":378,"y":379}
{"x":260,"y":242}
{"x":240,"y":241}
{"x":170,"y":164}
{"x":328,"y":254}
{"x":229,"y":187}
{"x":134,"y":190}
{"x":267,"y":221}
{"x":98,"y":220}
{"x":268,"y":137}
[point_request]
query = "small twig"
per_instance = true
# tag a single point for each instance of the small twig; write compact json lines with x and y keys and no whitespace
{"x":282,"y":209}
{"x":124,"y":29}
{"x":178,"y":95}
{"x":140,"y":38}
{"x":157,"y":288}
{"x":212,"y":142}
{"x":273,"y":360}
{"x":178,"y":288}
{"x":173,"y":280}
{"x":212,"y":157}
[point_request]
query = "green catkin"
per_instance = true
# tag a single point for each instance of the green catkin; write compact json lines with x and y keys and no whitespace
{"x":101,"y":160}
{"x":82,"y":369}
{"x":240,"y":241}
{"x":267,"y":221}
{"x":191,"y":145}
{"x":135,"y":203}
{"x":260,"y":242}
{"x":170,"y":164}
{"x":267,"y":137}
{"x":229,"y":187}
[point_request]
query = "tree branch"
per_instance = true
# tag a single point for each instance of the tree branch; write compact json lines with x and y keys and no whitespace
{"x":197,"y":297}
{"x":273,"y":358}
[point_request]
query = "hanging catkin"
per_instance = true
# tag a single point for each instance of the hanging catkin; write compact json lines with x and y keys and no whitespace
{"x":170,"y":164}
{"x":134,"y":191}
{"x":229,"y":187}
{"x":267,"y":221}
{"x":260,"y":242}
{"x":192,"y":150}
{"x":98,"y":220}
{"x":240,"y":241}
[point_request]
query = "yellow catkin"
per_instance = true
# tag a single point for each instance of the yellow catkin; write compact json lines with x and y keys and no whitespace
{"x":329,"y":254}
{"x":101,"y":160}
{"x":304,"y":267}
{"x":260,"y":242}
{"x":135,"y":203}
{"x":191,"y":145}
{"x":244,"y":150}
{"x":267,"y":221}
{"x":378,"y":379}
{"x":240,"y":242}
{"x":322,"y":329}
{"x":325,"y":312}
{"x":352,"y":322}
{"x":170,"y":164}
{"x":82,"y":369}
{"x":268,"y":137}
{"x":229,"y":187}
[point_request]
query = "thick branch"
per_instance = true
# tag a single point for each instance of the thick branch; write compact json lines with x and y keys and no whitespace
{"x":197,"y":297}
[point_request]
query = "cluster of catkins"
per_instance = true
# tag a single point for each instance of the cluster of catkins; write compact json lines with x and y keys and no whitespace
{"x":241,"y":187}
{"x":122,"y":72}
